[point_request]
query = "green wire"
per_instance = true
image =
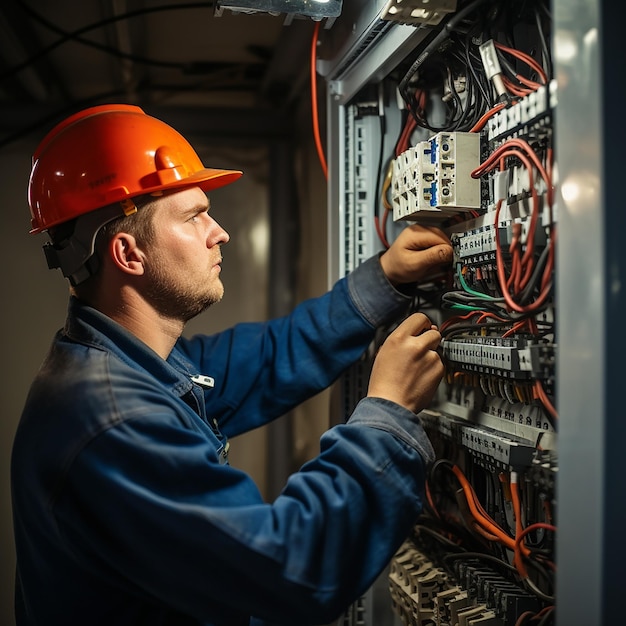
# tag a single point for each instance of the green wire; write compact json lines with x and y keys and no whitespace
{"x":468,"y":289}
{"x":466,"y":307}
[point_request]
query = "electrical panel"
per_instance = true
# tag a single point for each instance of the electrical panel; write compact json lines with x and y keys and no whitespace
{"x":441,"y":115}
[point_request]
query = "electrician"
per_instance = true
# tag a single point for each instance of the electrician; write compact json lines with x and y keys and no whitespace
{"x":126,"y":510}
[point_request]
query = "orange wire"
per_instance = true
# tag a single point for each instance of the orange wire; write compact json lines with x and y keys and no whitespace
{"x":429,"y":497}
{"x":519,"y":546}
{"x":487,"y":314}
{"x":316,"y":128}
{"x":481,"y":518}
{"x":520,"y":549}
{"x":541,"y":394}
{"x":484,"y":533}
{"x":521,"y":144}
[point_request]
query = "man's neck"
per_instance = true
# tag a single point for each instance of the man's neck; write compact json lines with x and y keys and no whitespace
{"x":141,"y":319}
{"x":154,"y":330}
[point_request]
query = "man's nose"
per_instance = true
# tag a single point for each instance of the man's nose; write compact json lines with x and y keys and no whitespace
{"x":217,"y":235}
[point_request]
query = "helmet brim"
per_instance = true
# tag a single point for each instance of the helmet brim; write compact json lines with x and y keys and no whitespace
{"x":209,"y":179}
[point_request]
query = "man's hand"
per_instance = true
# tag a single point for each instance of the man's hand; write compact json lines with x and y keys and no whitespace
{"x":416,"y":254}
{"x":407,"y":368}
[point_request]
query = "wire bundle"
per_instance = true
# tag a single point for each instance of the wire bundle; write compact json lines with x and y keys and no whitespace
{"x":527,"y":273}
{"x":450,"y":61}
{"x":456,"y":510}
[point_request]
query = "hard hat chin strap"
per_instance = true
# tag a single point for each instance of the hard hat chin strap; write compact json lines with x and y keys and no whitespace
{"x":75,"y":255}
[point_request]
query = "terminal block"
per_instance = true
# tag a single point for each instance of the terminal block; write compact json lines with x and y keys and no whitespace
{"x":414,"y":580}
{"x":476,"y":246}
{"x":510,"y":357}
{"x":488,"y":447}
{"x":527,"y":112}
{"x":475,"y":594}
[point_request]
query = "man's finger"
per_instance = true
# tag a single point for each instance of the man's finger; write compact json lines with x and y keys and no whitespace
{"x":427,"y":236}
{"x":414,"y":325}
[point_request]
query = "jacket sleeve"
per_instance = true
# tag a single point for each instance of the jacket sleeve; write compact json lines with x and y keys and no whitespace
{"x":198,"y":537}
{"x":262,"y":370}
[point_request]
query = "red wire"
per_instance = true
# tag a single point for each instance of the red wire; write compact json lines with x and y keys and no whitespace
{"x":516,"y":264}
{"x":516,"y":90}
{"x":524,"y":152}
{"x":316,"y":128}
{"x":545,"y":401}
{"x":502,"y":279}
{"x":524,"y":57}
{"x":520,"y":548}
{"x":483,"y":120}
{"x":404,"y":139}
{"x":380,"y":229}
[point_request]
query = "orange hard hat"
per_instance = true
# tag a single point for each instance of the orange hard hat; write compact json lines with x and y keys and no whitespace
{"x":108,"y":154}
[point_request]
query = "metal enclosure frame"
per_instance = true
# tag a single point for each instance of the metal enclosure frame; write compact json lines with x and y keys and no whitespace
{"x":591,"y":261}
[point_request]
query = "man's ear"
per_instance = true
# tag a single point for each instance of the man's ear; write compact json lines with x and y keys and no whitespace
{"x":126,"y":254}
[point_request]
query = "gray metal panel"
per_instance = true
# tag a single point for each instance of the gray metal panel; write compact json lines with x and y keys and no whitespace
{"x":362,"y":48}
{"x":349,"y":35}
{"x":590,"y":138}
{"x":377,"y":61}
{"x":336,"y":183}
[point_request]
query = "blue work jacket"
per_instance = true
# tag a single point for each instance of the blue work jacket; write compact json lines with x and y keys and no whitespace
{"x":127,"y":512}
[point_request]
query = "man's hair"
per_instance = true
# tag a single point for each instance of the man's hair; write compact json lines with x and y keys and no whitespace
{"x":139,"y":224}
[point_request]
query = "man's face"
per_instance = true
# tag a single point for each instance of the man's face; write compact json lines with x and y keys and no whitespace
{"x":183,"y":262}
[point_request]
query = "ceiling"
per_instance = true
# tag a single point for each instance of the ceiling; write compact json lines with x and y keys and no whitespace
{"x":236,"y":71}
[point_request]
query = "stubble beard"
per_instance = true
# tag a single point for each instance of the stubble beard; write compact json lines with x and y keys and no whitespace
{"x":181,"y":302}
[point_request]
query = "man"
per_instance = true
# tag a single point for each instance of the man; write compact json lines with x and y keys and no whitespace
{"x":126,"y":509}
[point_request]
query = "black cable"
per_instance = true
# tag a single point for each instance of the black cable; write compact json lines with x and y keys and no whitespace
{"x":480,"y":556}
{"x":452,"y":331}
{"x":474,"y":105}
{"x":509,"y":70}
{"x":530,"y":585}
{"x":437,"y":536}
{"x":444,"y":33}
{"x":535,"y":278}
{"x":75,"y":34}
{"x":472,"y":60}
{"x":98,"y":46}
{"x":544,"y":45}
{"x":457,"y":104}
{"x":48,"y":120}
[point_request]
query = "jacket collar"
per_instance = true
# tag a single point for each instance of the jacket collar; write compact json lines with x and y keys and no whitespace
{"x":90,"y":327}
